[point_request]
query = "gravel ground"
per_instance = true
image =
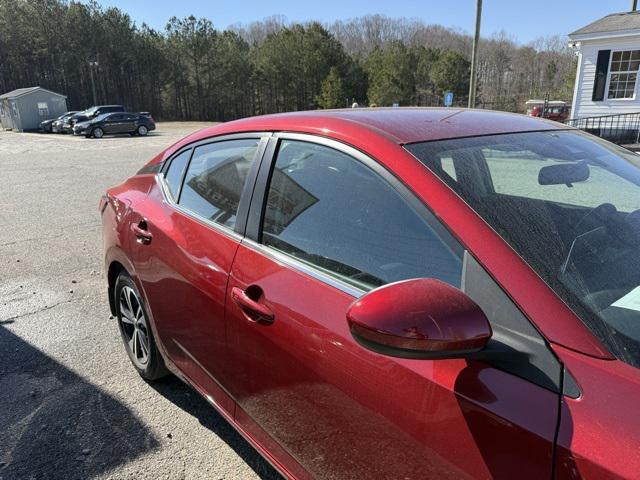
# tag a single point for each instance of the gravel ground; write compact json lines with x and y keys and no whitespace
{"x":71,"y":405}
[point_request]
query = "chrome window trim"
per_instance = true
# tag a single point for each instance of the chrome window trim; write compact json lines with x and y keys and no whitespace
{"x":288,"y":260}
{"x":331,"y":143}
{"x":168,"y":200}
{"x":214,"y":139}
{"x":167,"y":197}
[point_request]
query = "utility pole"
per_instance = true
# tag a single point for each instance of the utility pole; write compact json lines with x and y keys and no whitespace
{"x":474,"y":57}
{"x":93,"y":65}
{"x":634,"y":5}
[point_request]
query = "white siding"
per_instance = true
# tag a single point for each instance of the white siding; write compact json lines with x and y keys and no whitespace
{"x":583,"y":106}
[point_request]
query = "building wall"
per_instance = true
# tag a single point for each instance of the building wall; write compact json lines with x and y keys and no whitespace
{"x":30,"y":115}
{"x":5,"y":114}
{"x":583,"y":106}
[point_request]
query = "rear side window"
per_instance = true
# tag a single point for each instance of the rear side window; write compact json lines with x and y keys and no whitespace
{"x":329,"y":210}
{"x":174,"y":175}
{"x":215,"y":179}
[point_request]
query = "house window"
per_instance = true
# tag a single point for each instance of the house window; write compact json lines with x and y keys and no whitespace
{"x":43,"y":109}
{"x":623,"y":74}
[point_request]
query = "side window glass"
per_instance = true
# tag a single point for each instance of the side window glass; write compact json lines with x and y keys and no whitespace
{"x":449,"y":167}
{"x":174,"y":175}
{"x":329,"y":210}
{"x":215,"y":179}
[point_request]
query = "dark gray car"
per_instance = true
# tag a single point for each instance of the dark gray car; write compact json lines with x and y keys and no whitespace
{"x":115,"y":123}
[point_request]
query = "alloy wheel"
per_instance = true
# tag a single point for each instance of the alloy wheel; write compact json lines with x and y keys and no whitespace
{"x":134,"y":326}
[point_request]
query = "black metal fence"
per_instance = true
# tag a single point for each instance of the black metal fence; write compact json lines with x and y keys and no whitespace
{"x":623,"y":128}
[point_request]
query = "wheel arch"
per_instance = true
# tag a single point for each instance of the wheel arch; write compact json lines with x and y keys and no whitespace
{"x":116,"y":262}
{"x":115,"y":268}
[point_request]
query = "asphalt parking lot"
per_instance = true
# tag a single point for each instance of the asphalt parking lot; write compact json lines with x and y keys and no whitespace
{"x":71,"y":405}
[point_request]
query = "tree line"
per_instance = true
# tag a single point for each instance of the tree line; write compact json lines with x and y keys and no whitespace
{"x":194,"y":71}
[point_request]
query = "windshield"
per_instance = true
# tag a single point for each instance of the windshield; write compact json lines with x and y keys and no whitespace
{"x":569,"y":204}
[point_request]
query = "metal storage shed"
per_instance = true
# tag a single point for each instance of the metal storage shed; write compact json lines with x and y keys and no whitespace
{"x":23,"y":109}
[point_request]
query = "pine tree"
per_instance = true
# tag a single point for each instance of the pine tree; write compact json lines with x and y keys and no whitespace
{"x":331,"y":91}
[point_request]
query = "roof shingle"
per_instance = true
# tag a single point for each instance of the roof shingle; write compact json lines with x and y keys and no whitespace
{"x":612,"y":23}
{"x":22,"y":91}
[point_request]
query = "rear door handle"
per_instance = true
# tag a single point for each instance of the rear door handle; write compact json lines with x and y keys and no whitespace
{"x":142,"y":233}
{"x":252,"y":309}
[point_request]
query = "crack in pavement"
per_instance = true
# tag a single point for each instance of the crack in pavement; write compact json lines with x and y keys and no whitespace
{"x":43,"y":309}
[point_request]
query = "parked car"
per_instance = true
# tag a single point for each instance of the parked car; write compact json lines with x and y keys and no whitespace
{"x":56,"y":126}
{"x":97,"y":110}
{"x":393,"y":293}
{"x":69,"y":122}
{"x":556,"y":110}
{"x":115,"y":123}
{"x":52,"y":125}
{"x":88,"y":114}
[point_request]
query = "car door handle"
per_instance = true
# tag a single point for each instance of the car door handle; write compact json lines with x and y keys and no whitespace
{"x":142,"y":233}
{"x":252,"y":310}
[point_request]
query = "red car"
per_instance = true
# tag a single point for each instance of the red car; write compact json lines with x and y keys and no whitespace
{"x":393,"y":293}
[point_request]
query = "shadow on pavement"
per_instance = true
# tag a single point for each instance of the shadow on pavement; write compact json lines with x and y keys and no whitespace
{"x":191,"y":402}
{"x":55,"y":425}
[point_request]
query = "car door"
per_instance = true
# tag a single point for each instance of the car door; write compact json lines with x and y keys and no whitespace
{"x":187,"y":232}
{"x":111,"y":123}
{"x":128,"y":123}
{"x":328,"y":224}
{"x":122,"y":123}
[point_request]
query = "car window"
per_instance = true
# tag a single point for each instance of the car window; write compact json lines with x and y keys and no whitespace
{"x":174,"y":174}
{"x":569,"y":204}
{"x":331,"y":211}
{"x":215,"y":179}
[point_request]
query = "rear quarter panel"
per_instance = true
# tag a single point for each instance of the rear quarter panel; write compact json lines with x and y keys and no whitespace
{"x":118,"y":207}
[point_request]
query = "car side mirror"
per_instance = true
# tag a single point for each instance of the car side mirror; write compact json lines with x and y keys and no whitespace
{"x":420,"y":318}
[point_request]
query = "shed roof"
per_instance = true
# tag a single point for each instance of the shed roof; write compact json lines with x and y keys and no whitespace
{"x":613,"y":22}
{"x":24,"y":91}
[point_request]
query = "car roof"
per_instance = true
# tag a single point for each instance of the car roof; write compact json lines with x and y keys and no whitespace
{"x":400,"y":125}
{"x":359,"y":126}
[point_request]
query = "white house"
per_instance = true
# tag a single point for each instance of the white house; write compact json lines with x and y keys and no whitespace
{"x":608,"y":62}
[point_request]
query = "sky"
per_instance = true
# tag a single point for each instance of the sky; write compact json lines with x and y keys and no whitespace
{"x":523,"y":20}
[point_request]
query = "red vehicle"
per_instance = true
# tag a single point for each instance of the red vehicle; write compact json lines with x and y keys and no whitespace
{"x":556,"y":110}
{"x":393,"y":293}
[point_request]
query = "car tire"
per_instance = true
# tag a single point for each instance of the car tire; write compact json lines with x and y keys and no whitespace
{"x":97,"y":132}
{"x":135,"y":329}
{"x":142,"y":130}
